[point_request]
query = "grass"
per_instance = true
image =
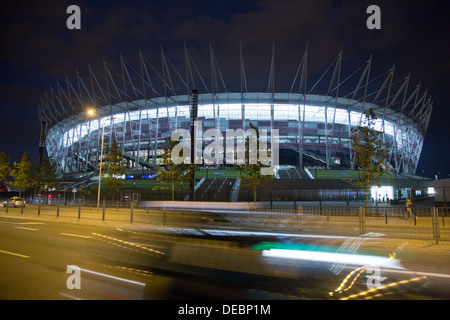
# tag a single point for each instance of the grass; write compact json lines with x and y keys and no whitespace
{"x":129,"y":185}
{"x":342,"y":174}
{"x":213,"y":173}
{"x":147,"y":184}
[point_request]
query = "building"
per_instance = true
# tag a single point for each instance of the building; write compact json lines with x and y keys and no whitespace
{"x":139,"y":108}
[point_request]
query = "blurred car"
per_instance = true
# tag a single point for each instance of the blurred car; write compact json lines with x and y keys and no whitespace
{"x":14,"y":202}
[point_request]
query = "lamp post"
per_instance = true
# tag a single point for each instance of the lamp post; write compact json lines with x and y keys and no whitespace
{"x":92,"y":112}
{"x":100,"y":171}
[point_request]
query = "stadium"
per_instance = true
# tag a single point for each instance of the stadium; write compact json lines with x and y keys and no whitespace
{"x":138,"y":106}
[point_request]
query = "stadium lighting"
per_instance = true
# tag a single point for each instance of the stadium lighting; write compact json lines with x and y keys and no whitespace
{"x":90,"y":112}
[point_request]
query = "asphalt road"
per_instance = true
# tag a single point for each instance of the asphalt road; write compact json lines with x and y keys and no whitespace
{"x":34,"y":257}
{"x":37,"y":259}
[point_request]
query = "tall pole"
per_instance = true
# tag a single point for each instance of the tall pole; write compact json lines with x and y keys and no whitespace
{"x":100,"y":171}
{"x":41,"y":143}
{"x":41,"y":152}
{"x":194,"y":109}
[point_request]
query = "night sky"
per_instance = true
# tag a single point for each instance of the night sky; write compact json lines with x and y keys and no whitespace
{"x":37,"y":49}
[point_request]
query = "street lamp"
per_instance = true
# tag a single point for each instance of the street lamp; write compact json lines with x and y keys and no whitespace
{"x":92,"y":112}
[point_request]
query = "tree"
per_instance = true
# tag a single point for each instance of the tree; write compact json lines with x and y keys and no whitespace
{"x":46,"y":177}
{"x":170,"y":173}
{"x":250,"y":173}
{"x":22,"y":173}
{"x":370,"y":154}
{"x":114,"y":167}
{"x":5,"y":168}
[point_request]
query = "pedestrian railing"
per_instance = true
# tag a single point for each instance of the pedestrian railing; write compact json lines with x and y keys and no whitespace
{"x":424,"y":223}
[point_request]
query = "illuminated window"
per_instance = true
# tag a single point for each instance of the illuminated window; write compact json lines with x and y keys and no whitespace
{"x":382,"y":193}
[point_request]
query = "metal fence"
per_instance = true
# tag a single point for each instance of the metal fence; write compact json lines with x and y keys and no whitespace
{"x":227,"y":194}
{"x":423,"y":223}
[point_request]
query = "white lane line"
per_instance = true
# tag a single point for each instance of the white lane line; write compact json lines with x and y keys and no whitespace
{"x":69,"y":296}
{"x":15,"y":254}
{"x":75,"y":235}
{"x":8,"y":222}
{"x":22,"y":223}
{"x":30,"y":223}
{"x":149,"y":245}
{"x":428,"y":274}
{"x":111,"y":277}
{"x":23,"y":228}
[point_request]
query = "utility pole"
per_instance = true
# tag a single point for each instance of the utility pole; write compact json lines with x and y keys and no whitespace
{"x":193,"y":111}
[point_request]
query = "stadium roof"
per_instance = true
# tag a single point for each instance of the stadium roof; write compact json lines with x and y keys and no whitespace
{"x":134,"y":87}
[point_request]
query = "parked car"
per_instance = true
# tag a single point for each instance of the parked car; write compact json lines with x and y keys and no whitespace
{"x":14,"y":202}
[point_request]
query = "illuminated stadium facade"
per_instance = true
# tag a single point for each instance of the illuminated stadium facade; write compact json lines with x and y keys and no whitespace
{"x":314,"y":128}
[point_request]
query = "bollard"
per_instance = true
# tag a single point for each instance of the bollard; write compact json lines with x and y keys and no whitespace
{"x":103,"y":213}
{"x":79,"y":210}
{"x":57,"y":209}
{"x":271,"y":199}
{"x":164,"y":216}
{"x":131,"y":215}
{"x":376,"y":208}
{"x":385,"y":215}
{"x":435,"y":225}
{"x":299,"y":221}
{"x":39,"y":207}
{"x":247,"y":208}
{"x":362,"y":225}
{"x":295,"y":198}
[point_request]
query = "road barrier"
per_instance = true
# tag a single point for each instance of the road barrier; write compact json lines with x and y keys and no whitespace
{"x":423,"y":223}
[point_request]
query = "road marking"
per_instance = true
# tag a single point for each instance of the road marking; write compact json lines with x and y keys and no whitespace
{"x":429,"y":274}
{"x":136,"y":271}
{"x":70,"y":296}
{"x":15,"y":254}
{"x":127,"y":242}
{"x":21,"y":223}
{"x":23,"y":228}
{"x":147,"y":245}
{"x":75,"y":235}
{"x":112,"y":277}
